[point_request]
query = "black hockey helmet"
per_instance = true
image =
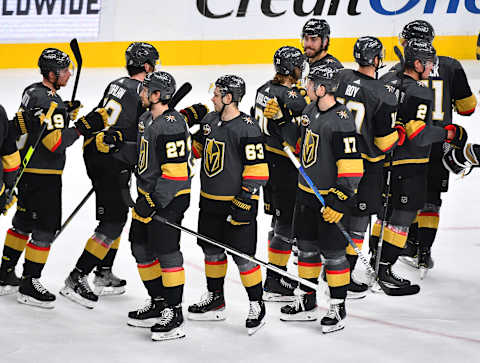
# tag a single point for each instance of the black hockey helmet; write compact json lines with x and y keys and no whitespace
{"x":324,"y":75}
{"x":53,"y":60}
{"x":419,"y":29}
{"x":419,"y":49}
{"x":231,"y":84}
{"x":366,"y":49}
{"x":287,"y":58}
{"x":139,"y":53}
{"x":316,"y":28}
{"x":160,"y":81}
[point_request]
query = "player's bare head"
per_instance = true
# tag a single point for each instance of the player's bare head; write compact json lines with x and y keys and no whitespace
{"x":419,"y":29}
{"x":420,"y":57}
{"x":289,"y":62}
{"x":229,"y":90}
{"x":369,"y":51}
{"x":315,"y":37}
{"x":322,"y":80}
{"x":55,"y":67}
{"x":141,"y":57}
{"x":157,"y":87}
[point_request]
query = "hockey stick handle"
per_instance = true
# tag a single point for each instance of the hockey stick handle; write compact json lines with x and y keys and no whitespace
{"x":78,"y":58}
{"x":322,"y":201}
{"x":75,"y":211}
{"x":237,"y":252}
{"x":180,"y":94}
{"x":31,"y":149}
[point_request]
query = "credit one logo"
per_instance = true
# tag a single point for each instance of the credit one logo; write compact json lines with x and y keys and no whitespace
{"x":401,"y":6}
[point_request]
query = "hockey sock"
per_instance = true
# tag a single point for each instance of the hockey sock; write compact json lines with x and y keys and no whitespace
{"x":427,"y":227}
{"x":173,"y":279}
{"x":215,"y":271}
{"x":357,"y":238}
{"x":36,"y":255}
{"x":394,"y":239}
{"x":309,"y":266}
{"x":151,"y":275}
{"x":278,"y":254}
{"x":14,"y":245}
{"x":338,"y":275}
{"x":95,"y":251}
{"x":251,"y":277}
{"x":111,"y":254}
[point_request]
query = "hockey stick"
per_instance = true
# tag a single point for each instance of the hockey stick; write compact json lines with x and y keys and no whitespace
{"x":75,"y":211}
{"x":400,"y":291}
{"x":237,"y":252}
{"x":78,"y":58}
{"x":478,"y":47}
{"x":176,"y":98}
{"x":26,"y":159}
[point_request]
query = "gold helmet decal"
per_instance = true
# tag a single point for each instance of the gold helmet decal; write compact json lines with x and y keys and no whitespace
{"x":310,"y":147}
{"x":214,"y":154}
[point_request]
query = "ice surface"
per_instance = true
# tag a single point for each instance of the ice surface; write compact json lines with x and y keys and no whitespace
{"x":441,"y":324}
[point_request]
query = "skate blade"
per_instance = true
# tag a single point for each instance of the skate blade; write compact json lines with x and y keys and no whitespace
{"x":310,"y":315}
{"x":28,"y":300}
{"x":423,"y":272}
{"x":8,"y":290}
{"x":252,"y":331}
{"x":375,"y":288}
{"x":108,"y":290}
{"x":176,"y":333}
{"x":273,"y":297}
{"x":352,"y":295}
{"x":208,"y":316}
{"x":73,"y":296}
{"x":146,"y":323}
{"x":409,"y":261}
{"x":326,"y":329}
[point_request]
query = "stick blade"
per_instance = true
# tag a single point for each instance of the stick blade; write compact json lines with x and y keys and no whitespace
{"x":76,"y":51}
{"x":181,"y":92}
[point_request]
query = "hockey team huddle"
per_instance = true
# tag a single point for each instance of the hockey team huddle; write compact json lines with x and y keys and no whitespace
{"x":329,"y":147}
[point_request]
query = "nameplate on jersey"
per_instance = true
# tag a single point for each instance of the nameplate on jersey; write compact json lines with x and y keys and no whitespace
{"x":351,"y":90}
{"x":310,"y":148}
{"x":116,"y":91}
{"x":213,"y":158}
{"x":262,"y":99}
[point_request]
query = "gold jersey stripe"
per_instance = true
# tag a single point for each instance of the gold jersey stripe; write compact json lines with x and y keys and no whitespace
{"x":409,"y":161}
{"x":53,"y":140}
{"x":175,"y":170}
{"x":385,"y":143}
{"x":413,"y":127}
{"x":259,"y":171}
{"x":349,"y":166}
{"x":466,"y":105}
{"x":309,"y":190}
{"x":11,"y":162}
{"x":43,"y":171}
{"x":216,"y":197}
{"x":373,"y":159}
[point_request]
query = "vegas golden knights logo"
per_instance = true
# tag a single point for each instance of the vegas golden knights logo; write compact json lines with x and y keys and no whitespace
{"x":143,"y":156}
{"x":310,"y":147}
{"x":213,"y":156}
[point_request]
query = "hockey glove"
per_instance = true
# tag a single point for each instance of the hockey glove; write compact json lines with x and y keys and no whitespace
{"x":72,"y":108}
{"x":336,"y":204}
{"x":5,"y":201}
{"x":144,"y":208}
{"x":456,"y":136}
{"x":402,"y":133}
{"x":93,"y":122}
{"x":195,"y":113}
{"x":28,"y":122}
{"x":272,"y":110}
{"x":242,"y":211}
{"x":109,"y":141}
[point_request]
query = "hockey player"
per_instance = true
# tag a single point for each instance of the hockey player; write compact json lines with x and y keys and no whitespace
{"x":409,"y":162}
{"x":315,"y":42}
{"x":451,"y":91}
{"x":233,"y":171}
{"x":39,"y":205}
{"x":373,"y":107}
{"x":10,"y":164}
{"x":330,"y":157}
{"x":109,"y":158}
{"x":164,"y":173}
{"x":278,"y":102}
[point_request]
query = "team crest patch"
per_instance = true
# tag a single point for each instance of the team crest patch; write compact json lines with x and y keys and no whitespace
{"x":292,"y":94}
{"x":310,"y":148}
{"x":213,"y":157}
{"x":248,"y":120}
{"x":170,"y":118}
{"x":206,"y":129}
{"x":342,"y":114}
{"x":304,"y":120}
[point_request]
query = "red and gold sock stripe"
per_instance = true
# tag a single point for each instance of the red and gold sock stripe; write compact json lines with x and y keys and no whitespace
{"x":358,"y":242}
{"x":251,"y":277}
{"x":395,"y":236}
{"x":36,"y":254}
{"x":150,"y":271}
{"x":97,"y":247}
{"x":16,"y":241}
{"x":216,"y":269}
{"x":116,"y":244}
{"x":278,"y":257}
{"x":428,"y":220}
{"x":309,"y":270}
{"x":337,"y":278}
{"x":173,"y":276}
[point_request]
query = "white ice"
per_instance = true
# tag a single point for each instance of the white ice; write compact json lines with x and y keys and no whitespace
{"x":440,"y":324}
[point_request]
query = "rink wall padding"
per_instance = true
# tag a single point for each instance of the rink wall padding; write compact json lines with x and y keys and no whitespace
{"x":213,"y":52}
